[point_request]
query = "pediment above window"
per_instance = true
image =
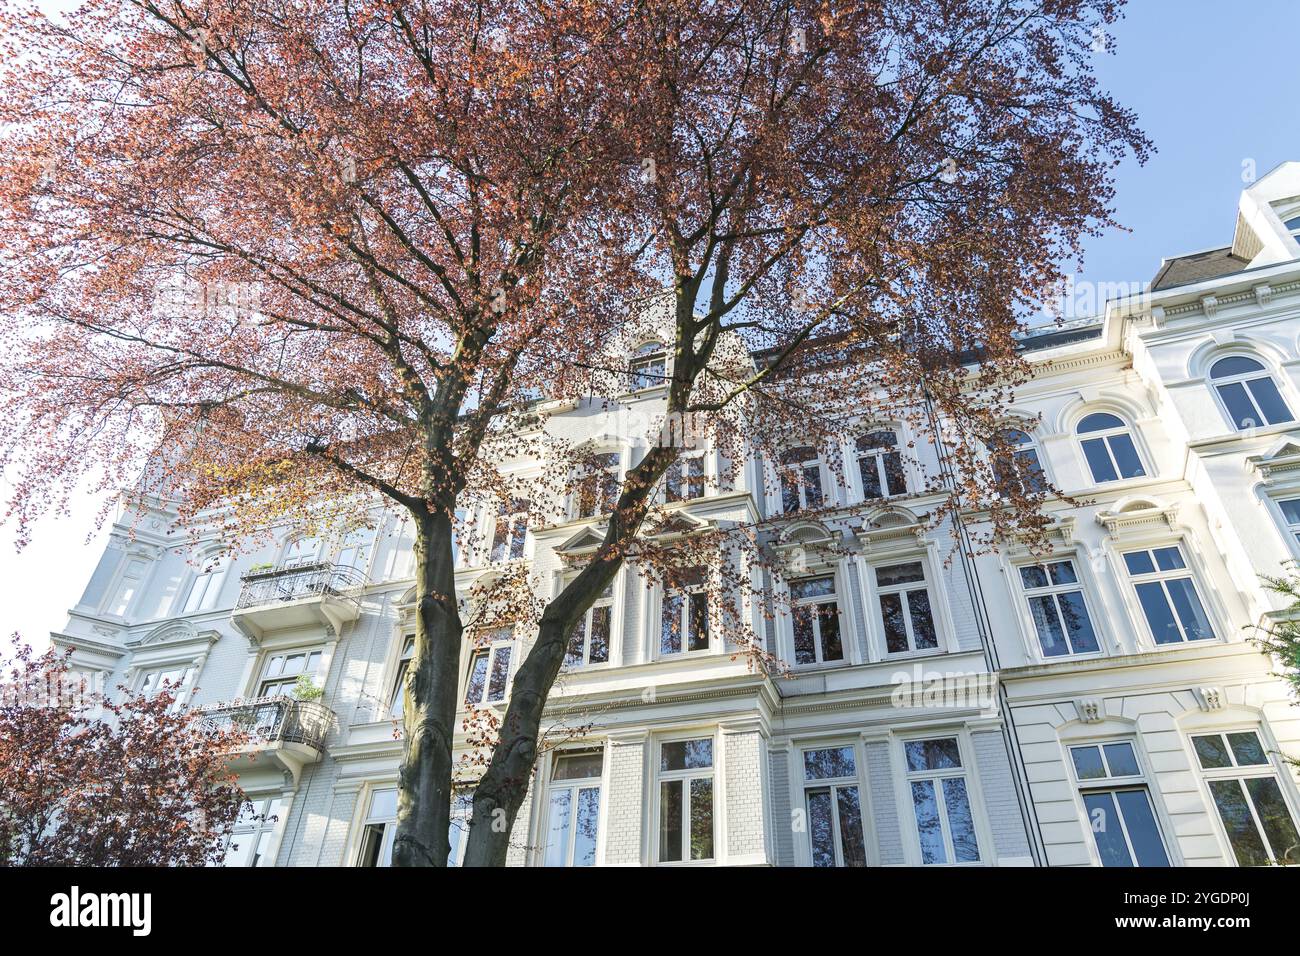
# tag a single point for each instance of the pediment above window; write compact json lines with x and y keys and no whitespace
{"x":178,"y":633}
{"x":582,"y":544}
{"x":1283,"y":463}
{"x":1059,"y":536}
{"x":892,"y":524}
{"x":1135,"y":515}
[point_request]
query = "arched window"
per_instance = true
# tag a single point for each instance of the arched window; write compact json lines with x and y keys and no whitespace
{"x":1016,"y":465}
{"x":880,"y":465}
{"x":648,"y":367}
{"x":206,"y":589}
{"x":1109,"y":448}
{"x":1249,"y":394}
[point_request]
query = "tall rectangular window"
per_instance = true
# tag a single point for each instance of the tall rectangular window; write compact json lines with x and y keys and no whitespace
{"x":489,"y":669}
{"x":1168,"y":595}
{"x":1118,"y":806}
{"x":801,"y":480}
{"x":684,"y":617}
{"x":684,"y":479}
{"x":906,"y":614}
{"x":1058,"y":609}
{"x":880,"y":465}
{"x":816,"y":619}
{"x":598,"y":487}
{"x":511,"y":531}
{"x":573,"y":808}
{"x":945,"y":824}
{"x":253,"y":833}
{"x":686,"y":800}
{"x":1248,"y":798}
{"x":281,"y":672}
{"x":834,"y":808}
{"x":397,"y":702}
{"x":589,"y":642}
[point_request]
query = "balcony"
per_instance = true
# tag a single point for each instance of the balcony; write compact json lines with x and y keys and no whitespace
{"x":288,"y":733}
{"x":301,"y":596}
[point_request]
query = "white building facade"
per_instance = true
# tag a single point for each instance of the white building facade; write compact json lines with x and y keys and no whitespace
{"x":1099,"y":706}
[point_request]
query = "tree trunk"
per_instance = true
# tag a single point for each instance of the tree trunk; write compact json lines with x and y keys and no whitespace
{"x":429,"y":702}
{"x":501,"y":791}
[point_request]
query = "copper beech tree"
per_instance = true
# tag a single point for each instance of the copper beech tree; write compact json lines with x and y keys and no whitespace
{"x":432,"y":215}
{"x":89,"y":781}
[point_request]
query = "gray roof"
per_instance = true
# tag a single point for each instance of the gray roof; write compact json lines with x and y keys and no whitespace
{"x":1197,"y":267}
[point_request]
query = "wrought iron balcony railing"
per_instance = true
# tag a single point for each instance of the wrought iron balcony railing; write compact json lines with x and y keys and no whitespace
{"x":302,"y":581}
{"x":274,"y":720}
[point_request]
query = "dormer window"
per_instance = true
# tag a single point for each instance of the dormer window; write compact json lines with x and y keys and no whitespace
{"x":1248,"y":393}
{"x":801,"y":479}
{"x":880,"y":465}
{"x":648,"y":367}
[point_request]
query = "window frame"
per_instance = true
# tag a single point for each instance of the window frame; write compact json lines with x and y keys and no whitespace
{"x":1082,"y":585}
{"x":307,"y":651}
{"x":841,"y":612}
{"x":259,"y":828}
{"x":1190,"y":570}
{"x":1265,"y":371}
{"x":928,"y":583}
{"x":214,"y":580}
{"x":803,"y":785}
{"x":573,"y":785}
{"x":643,"y":361}
{"x":512,"y":517}
{"x":784,"y":470}
{"x":490,"y":649}
{"x":1113,"y":784}
{"x":684,"y":618}
{"x":1126,"y":427}
{"x":697,"y":483}
{"x":397,"y":684}
{"x":686,"y":776}
{"x":1030,"y":446}
{"x":1239,"y":772}
{"x":879,"y":455}
{"x":606,"y":479}
{"x":967,"y":771}
{"x":1290,"y":528}
{"x":607,"y":599}
{"x":181,"y":690}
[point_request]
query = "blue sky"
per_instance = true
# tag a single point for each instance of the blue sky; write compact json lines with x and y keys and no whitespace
{"x":1215,"y":85}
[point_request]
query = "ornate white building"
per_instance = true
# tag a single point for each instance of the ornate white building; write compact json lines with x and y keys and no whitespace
{"x":1099,"y":707}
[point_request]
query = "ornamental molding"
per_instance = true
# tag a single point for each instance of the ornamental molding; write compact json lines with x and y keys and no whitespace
{"x":1209,"y":698}
{"x":1138,"y":515}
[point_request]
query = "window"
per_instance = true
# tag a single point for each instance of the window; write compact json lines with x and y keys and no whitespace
{"x":354,"y":550}
{"x":281,"y":672}
{"x":1248,"y":393}
{"x":1123,"y":824}
{"x":597,"y":491}
{"x":300,"y":552}
{"x":489,"y":670}
{"x":684,"y":617}
{"x":686,"y":800}
{"x":684,"y":479}
{"x":1168,"y":595}
{"x":648,"y":368}
{"x":206,"y":589}
{"x":380,"y":827}
{"x":175,"y":680}
{"x":816,"y":618}
{"x":397,"y":702}
{"x":1057,"y":607}
{"x":1016,"y":465}
{"x":1291,"y":514}
{"x":880,"y":465}
{"x":250,"y":839}
{"x":905,"y":611}
{"x":511,"y":530}
{"x":944,"y":823}
{"x":129,"y":585}
{"x":801,"y":479}
{"x":1109,"y":448}
{"x":834,"y":809}
{"x":589,"y":642}
{"x":573,"y":808}
{"x":1293,"y":227}
{"x":1249,"y":801}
